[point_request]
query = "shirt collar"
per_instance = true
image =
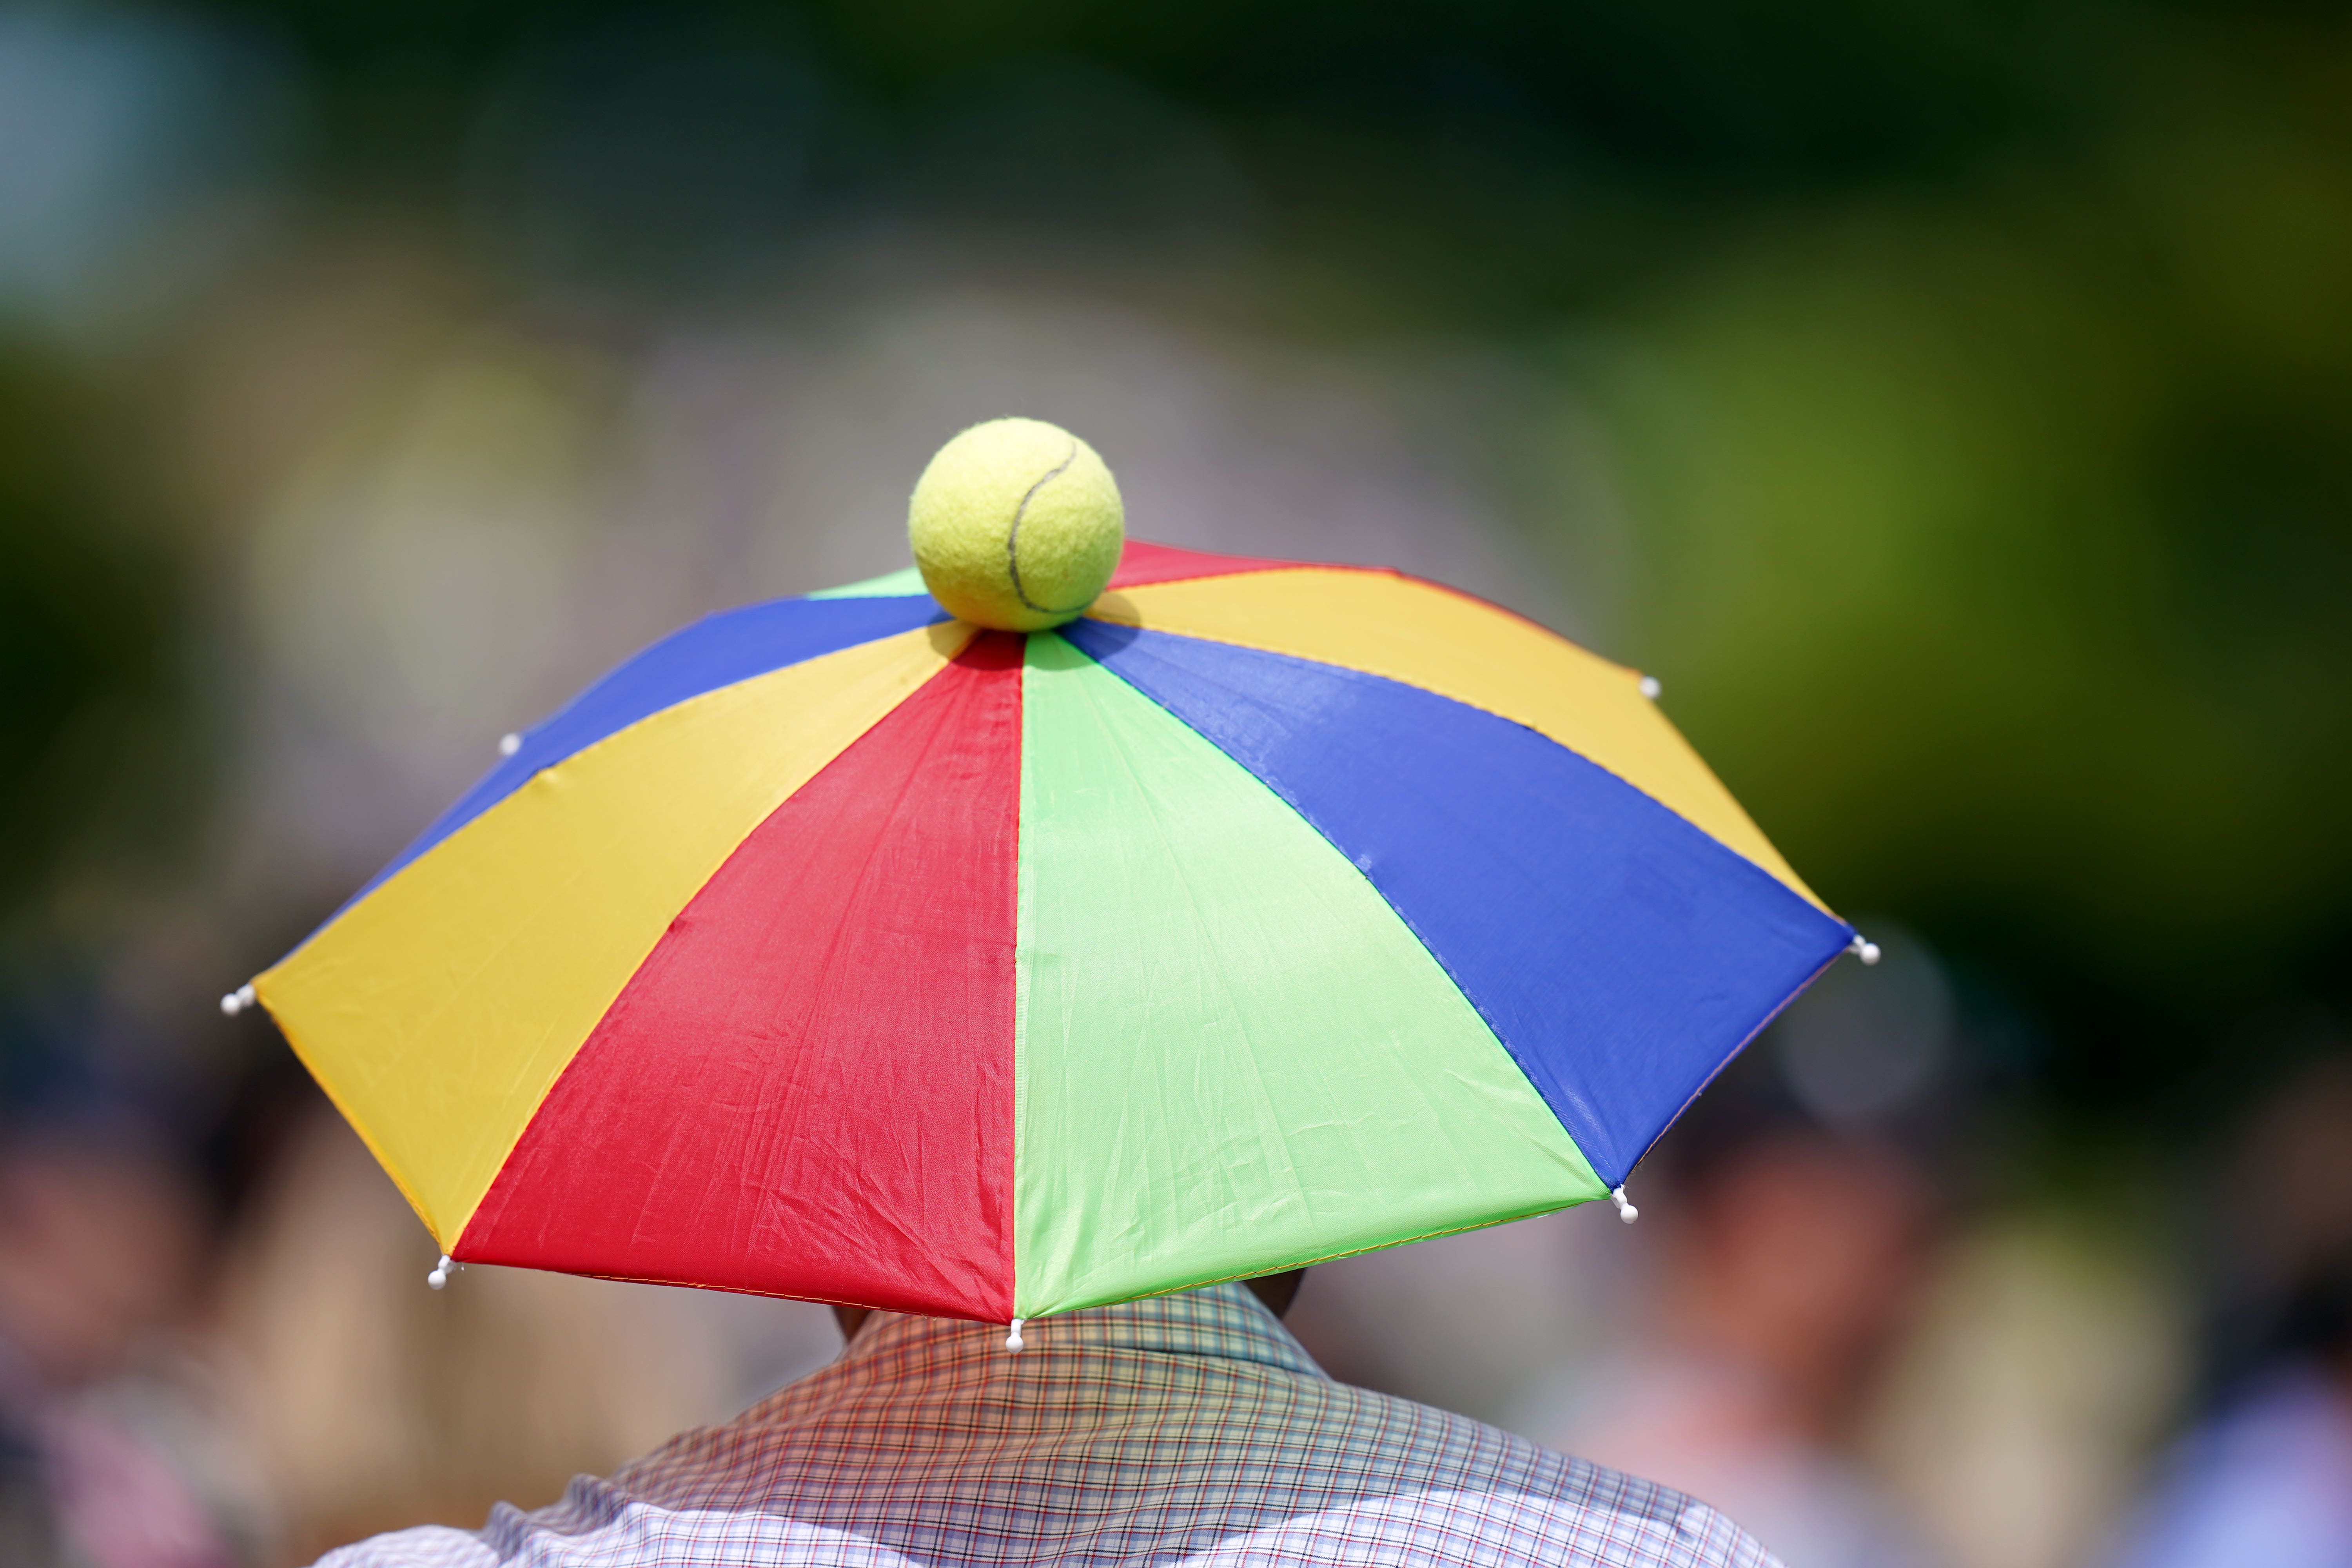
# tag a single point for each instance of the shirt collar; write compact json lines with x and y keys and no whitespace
{"x":1225,"y":1322}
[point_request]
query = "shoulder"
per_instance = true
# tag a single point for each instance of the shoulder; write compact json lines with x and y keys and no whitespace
{"x":1460,"y":1477}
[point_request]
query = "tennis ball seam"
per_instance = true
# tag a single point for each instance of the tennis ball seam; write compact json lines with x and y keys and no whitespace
{"x":1012,"y":536}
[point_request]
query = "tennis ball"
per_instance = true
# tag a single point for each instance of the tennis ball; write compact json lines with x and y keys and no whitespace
{"x":1016,"y":524}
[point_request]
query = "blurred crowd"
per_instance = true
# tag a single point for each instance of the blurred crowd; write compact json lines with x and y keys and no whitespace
{"x":1948,"y":401}
{"x":1826,"y":1321}
{"x":184,"y":1387}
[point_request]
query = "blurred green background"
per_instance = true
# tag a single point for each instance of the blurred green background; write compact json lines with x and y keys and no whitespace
{"x":1971,"y":381}
{"x":1951,"y":402}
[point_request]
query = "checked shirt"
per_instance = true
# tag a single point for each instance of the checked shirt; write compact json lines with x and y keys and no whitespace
{"x":1187,"y":1429}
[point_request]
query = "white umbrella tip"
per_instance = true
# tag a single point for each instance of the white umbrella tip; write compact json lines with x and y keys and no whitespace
{"x":509,"y":743}
{"x":1650,"y":687}
{"x":237,"y":1001}
{"x":1863,"y":949}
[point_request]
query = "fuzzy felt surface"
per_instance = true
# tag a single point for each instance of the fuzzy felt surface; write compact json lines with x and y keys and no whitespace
{"x":1016,"y":524}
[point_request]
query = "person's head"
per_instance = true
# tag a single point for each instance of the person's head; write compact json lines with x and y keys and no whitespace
{"x":98,"y":1245}
{"x":1801,"y":1257}
{"x":2317,"y":1321}
{"x":2286,"y":1264}
{"x":1795,"y":1249}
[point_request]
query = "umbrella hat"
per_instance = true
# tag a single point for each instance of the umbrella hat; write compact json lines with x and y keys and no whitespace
{"x":839,"y":949}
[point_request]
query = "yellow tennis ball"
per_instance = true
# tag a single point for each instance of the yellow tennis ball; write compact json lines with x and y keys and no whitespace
{"x":1016,"y":524}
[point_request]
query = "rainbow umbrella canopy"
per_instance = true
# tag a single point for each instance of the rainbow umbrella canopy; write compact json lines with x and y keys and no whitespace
{"x":838,"y":949}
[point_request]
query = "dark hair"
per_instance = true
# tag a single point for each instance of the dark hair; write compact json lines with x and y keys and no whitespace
{"x":1749,"y":1105}
{"x":2317,"y":1318}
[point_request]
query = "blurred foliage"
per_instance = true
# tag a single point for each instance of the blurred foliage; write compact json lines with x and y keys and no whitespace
{"x":1728,"y":87}
{"x":101,"y":771}
{"x":2005,"y":551}
{"x":1979,"y":374}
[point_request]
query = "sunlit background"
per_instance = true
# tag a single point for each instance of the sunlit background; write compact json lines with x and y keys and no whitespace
{"x":1951,"y":402}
